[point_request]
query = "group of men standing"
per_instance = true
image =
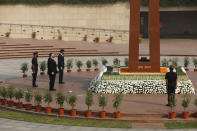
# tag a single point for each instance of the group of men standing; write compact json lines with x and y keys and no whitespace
{"x":52,"y":69}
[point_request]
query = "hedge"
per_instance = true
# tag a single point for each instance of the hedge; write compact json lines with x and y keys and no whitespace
{"x":143,"y":2}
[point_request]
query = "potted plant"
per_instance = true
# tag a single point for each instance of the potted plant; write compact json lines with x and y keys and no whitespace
{"x":28,"y":98}
{"x":89,"y":65}
{"x":116,"y":62}
{"x":164,"y":63}
{"x":95,"y":63}
{"x":172,"y":104}
{"x":186,"y":63}
{"x":4,"y":95}
{"x":110,"y":39}
{"x":33,"y":35}
{"x":79,"y":64}
{"x":195,"y":102}
{"x":116,"y":104}
{"x":97,"y":39}
{"x":60,"y":98}
{"x":174,"y":62}
{"x":59,"y":34}
{"x":38,"y":101}
{"x":8,"y":34}
{"x":48,"y":99}
{"x":69,"y":65}
{"x":72,"y":99}
{"x":185,"y":104}
{"x":43,"y":67}
{"x":85,"y":38}
{"x":89,"y":103}
{"x":24,"y":69}
{"x":195,"y":64}
{"x":19,"y":95}
{"x":10,"y":92}
{"x":104,"y":62}
{"x":126,"y":62}
{"x":103,"y":104}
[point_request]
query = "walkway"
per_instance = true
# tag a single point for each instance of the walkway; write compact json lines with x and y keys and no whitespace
{"x":12,"y":125}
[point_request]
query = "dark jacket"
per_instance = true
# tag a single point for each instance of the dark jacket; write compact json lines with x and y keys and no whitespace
{"x":34,"y":64}
{"x":52,"y":66}
{"x":60,"y":61}
{"x":172,"y":78}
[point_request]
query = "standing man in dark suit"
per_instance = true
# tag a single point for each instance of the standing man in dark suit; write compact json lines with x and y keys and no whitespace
{"x":34,"y":68}
{"x":171,"y":83}
{"x":61,"y":66}
{"x":52,"y":70}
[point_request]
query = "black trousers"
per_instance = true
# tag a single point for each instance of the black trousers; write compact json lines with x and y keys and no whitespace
{"x":61,"y":74}
{"x":52,"y":81}
{"x":171,"y":91}
{"x":34,"y":77}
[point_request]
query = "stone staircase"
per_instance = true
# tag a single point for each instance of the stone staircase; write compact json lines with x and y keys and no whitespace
{"x":13,"y":51}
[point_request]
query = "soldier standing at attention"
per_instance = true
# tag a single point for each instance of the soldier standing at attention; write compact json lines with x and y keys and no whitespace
{"x":52,"y":70}
{"x":171,"y":83}
{"x":61,"y":66}
{"x":34,"y":69}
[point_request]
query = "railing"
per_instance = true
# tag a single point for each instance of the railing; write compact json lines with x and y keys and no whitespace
{"x":68,"y":33}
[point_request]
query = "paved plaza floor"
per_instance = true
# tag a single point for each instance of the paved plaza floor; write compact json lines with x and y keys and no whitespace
{"x":131,"y":104}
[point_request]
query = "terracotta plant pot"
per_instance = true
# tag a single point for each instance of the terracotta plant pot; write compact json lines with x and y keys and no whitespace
{"x":48,"y":110}
{"x":185,"y":115}
{"x":24,"y":76}
{"x":42,"y":73}
{"x":73,"y":112}
{"x":60,"y":37}
{"x":4,"y":101}
{"x":79,"y":70}
{"x":28,"y":106}
{"x":19,"y":105}
{"x":186,"y":69}
{"x":38,"y":108}
{"x":110,"y":41}
{"x":97,"y":41}
{"x":85,"y":39}
{"x":69,"y":70}
{"x":172,"y":115}
{"x":117,"y":114}
{"x":88,"y":113}
{"x":88,"y":70}
{"x":10,"y":103}
{"x":195,"y":70}
{"x":61,"y":111}
{"x":34,"y":36}
{"x":102,"y":114}
{"x":8,"y":35}
{"x":97,"y":69}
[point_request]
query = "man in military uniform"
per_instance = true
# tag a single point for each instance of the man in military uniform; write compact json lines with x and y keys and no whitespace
{"x":171,"y":83}
{"x":52,"y":70}
{"x":61,"y":66}
{"x":34,"y":68}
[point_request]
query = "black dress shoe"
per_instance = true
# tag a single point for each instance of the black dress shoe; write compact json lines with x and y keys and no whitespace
{"x":61,"y":82}
{"x":52,"y":89}
{"x":35,"y":85}
{"x":167,"y":105}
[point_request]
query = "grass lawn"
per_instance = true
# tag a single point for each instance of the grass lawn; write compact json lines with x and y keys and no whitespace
{"x":62,"y":121}
{"x":178,"y":125}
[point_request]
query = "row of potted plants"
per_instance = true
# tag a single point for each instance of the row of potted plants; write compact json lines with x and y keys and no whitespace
{"x":43,"y":66}
{"x":10,"y":92}
{"x":174,"y":61}
{"x":185,"y":104}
